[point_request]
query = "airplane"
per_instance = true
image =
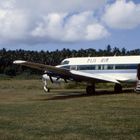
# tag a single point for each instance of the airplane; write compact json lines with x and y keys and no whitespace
{"x":91,"y":70}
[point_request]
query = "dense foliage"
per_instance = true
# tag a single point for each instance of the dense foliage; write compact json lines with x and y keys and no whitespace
{"x":51,"y":57}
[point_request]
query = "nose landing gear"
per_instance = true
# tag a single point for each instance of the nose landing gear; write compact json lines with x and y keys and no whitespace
{"x":46,"y":88}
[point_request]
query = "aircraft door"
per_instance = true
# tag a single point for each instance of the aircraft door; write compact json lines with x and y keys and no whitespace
{"x":138,"y":72}
{"x":138,"y":79}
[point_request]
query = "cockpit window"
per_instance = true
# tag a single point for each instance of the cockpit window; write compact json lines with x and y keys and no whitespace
{"x":65,"y":62}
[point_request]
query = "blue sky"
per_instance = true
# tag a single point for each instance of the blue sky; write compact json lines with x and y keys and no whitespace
{"x":45,"y":25}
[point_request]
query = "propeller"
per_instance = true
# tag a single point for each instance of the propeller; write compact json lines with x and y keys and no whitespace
{"x":51,"y":79}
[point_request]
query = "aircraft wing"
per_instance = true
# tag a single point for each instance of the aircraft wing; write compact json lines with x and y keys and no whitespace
{"x":93,"y":77}
{"x":52,"y":69}
{"x":68,"y":74}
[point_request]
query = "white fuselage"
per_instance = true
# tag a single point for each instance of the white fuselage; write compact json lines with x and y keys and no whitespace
{"x":122,"y":68}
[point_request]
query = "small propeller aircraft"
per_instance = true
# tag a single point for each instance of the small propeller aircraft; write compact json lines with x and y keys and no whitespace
{"x":91,"y":70}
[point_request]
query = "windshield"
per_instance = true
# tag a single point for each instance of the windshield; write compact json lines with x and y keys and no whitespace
{"x":64,"y":62}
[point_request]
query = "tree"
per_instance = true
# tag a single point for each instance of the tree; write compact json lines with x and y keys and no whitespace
{"x":52,"y":58}
{"x":10,"y":71}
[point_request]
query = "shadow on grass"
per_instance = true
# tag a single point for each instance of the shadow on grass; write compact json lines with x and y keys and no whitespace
{"x":65,"y":95}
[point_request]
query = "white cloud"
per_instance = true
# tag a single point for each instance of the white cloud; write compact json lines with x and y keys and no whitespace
{"x":122,"y":14}
{"x":50,"y":27}
{"x":70,"y":28}
{"x":50,"y":6}
{"x":7,"y":3}
{"x":30,"y":21}
{"x":96,"y":31}
{"x":76,"y":25}
{"x":13,"y":24}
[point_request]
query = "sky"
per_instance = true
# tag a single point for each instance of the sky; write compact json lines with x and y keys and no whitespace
{"x":75,"y":24}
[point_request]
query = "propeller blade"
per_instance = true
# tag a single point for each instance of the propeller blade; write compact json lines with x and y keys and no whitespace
{"x":51,"y":79}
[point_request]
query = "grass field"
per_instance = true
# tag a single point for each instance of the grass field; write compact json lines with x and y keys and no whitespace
{"x":26,"y":113}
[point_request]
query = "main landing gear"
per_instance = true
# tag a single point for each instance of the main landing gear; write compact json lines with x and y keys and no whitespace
{"x":90,"y":90}
{"x":117,"y":88}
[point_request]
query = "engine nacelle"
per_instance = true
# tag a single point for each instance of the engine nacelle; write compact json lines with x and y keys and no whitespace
{"x":54,"y":79}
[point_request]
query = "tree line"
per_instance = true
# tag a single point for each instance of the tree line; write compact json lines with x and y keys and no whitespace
{"x":52,"y":57}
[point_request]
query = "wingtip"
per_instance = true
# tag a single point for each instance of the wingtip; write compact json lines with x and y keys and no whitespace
{"x":18,"y":62}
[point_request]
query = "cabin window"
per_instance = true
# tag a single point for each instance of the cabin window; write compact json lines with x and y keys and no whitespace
{"x":86,"y":67}
{"x":81,"y":67}
{"x":126,"y":66}
{"x":105,"y":67}
{"x":66,"y":67}
{"x":110,"y":67}
{"x":91,"y":67}
{"x":99,"y":67}
{"x":73,"y":67}
{"x":96,"y":67}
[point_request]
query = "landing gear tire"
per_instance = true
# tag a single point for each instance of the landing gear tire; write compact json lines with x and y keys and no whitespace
{"x":117,"y":88}
{"x":90,"y":90}
{"x":46,"y":89}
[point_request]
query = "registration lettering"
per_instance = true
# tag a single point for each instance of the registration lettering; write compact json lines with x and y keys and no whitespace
{"x":94,"y":60}
{"x":103,"y":60}
{"x":90,"y":60}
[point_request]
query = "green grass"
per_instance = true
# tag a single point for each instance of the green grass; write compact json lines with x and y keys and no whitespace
{"x":26,"y":113}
